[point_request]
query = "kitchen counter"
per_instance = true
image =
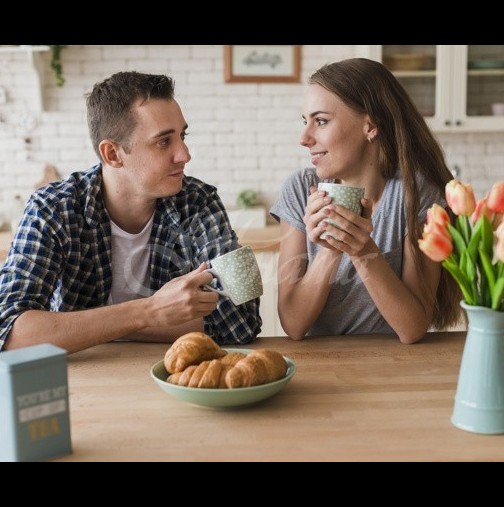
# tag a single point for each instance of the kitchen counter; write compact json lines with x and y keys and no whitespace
{"x":353,"y":398}
{"x":261,"y":240}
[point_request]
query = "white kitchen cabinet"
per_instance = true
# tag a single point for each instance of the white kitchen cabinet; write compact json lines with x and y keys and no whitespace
{"x":268,"y":264}
{"x":454,"y":86}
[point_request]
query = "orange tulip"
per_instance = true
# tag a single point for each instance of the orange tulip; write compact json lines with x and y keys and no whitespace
{"x":436,"y":246}
{"x":496,"y":198}
{"x":460,"y":198}
{"x":438,"y":215}
{"x":436,"y":229}
{"x":482,"y":209}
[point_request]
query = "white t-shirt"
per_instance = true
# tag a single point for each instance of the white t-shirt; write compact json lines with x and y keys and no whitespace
{"x":130,"y":264}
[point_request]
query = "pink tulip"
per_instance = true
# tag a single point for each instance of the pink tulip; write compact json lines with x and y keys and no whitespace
{"x":500,"y":231}
{"x":482,"y":209}
{"x":498,"y":220}
{"x":460,"y":198}
{"x":499,"y":249}
{"x":436,"y":246}
{"x":496,"y":198}
{"x":436,"y":229}
{"x":438,"y":215}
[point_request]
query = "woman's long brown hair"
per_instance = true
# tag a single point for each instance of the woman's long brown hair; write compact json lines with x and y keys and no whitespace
{"x":407,"y":143}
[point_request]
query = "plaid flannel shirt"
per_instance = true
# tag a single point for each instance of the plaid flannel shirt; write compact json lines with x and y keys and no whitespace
{"x":60,"y":259}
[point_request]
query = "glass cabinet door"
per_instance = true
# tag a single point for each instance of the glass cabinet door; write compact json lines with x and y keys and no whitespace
{"x":415,"y":67}
{"x":485,"y":81}
{"x":457,"y":88}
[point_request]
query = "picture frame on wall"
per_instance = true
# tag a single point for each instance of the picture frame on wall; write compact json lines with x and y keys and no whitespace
{"x":262,"y":64}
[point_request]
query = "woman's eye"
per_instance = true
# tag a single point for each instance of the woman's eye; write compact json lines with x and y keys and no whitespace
{"x":321,"y":122}
{"x":184,"y":135}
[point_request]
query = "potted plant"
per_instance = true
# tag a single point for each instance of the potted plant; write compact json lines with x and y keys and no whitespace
{"x":56,"y":64}
{"x":249,"y":214}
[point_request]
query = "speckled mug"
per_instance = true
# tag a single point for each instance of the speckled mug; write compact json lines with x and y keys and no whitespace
{"x":239,"y":275}
{"x":342,"y":195}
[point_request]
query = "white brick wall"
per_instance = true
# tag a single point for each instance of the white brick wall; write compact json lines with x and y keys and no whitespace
{"x":242,"y":135}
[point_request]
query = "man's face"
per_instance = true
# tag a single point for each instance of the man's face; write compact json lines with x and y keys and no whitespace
{"x":157,"y":153}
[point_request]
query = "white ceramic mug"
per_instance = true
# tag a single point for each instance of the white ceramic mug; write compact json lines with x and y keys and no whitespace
{"x":239,"y":275}
{"x":342,"y":195}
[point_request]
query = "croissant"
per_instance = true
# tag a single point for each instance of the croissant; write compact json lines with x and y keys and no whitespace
{"x":258,"y":368}
{"x":208,"y":375}
{"x":191,"y":349}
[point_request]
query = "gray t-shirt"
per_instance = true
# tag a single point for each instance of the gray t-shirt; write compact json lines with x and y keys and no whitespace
{"x":349,"y":308}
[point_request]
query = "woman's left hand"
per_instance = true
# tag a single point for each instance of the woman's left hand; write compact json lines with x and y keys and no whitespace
{"x":351,"y":233}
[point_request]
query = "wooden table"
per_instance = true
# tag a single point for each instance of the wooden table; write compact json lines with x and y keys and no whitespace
{"x":352,"y":399}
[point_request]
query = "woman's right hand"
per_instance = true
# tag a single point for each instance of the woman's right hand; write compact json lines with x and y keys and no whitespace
{"x":315,"y":216}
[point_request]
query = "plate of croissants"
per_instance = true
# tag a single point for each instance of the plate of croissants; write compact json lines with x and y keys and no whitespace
{"x":196,"y":370}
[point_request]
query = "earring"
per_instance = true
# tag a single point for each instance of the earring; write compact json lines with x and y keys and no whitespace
{"x":371,"y":139}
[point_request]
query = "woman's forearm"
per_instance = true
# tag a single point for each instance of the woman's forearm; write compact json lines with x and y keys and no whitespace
{"x":302,"y":300}
{"x":404,"y":311}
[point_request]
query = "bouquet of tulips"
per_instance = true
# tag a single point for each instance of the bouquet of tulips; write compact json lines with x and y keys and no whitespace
{"x":472,"y":249}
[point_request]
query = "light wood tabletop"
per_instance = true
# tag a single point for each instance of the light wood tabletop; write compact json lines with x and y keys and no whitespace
{"x":360,"y":398}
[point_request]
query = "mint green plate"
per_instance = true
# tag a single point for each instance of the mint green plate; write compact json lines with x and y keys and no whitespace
{"x":222,"y":398}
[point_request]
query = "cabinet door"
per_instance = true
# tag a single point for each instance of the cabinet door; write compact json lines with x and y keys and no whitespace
{"x":478,"y":87}
{"x":423,"y":71}
{"x":458,"y":88}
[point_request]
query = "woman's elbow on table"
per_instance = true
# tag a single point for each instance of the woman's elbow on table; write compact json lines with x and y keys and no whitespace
{"x":411,"y":338}
{"x":294,"y":332}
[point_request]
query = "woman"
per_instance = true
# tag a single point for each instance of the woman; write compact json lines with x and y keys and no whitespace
{"x":363,"y":130}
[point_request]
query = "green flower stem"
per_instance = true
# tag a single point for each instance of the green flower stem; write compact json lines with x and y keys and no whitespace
{"x":452,"y":267}
{"x":464,"y":228}
{"x":458,"y":239}
{"x":498,"y":295}
{"x":487,"y":236}
{"x":488,"y":269}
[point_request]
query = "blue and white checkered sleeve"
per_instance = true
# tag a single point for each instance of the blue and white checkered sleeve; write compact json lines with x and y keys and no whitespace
{"x":29,"y":275}
{"x":229,"y":324}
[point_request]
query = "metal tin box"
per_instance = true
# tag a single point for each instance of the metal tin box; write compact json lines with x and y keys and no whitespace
{"x":34,"y":408}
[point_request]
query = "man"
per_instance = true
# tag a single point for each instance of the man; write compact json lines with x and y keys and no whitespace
{"x":121,"y":251}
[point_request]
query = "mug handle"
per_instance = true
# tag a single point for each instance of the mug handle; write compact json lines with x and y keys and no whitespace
{"x":211,"y":289}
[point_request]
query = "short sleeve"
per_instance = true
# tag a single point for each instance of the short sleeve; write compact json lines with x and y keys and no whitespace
{"x":291,"y":205}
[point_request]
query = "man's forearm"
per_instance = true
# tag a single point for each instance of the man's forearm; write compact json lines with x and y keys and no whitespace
{"x":75,"y":331}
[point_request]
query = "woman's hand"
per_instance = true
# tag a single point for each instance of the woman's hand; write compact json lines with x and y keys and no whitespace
{"x":347,"y":233}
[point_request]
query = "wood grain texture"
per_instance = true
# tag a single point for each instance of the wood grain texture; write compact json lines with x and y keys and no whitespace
{"x":358,"y":398}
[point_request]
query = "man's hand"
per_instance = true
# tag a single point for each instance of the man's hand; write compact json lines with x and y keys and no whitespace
{"x":184,"y":299}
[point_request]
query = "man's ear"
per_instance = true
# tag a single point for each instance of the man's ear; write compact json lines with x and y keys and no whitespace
{"x":109,"y":151}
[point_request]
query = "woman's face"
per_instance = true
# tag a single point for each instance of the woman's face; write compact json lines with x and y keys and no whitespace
{"x":336,"y":135}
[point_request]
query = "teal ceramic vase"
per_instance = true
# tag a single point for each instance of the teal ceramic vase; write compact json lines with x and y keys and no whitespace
{"x":479,"y":402}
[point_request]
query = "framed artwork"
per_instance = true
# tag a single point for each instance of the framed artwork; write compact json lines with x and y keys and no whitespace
{"x":262,"y":64}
